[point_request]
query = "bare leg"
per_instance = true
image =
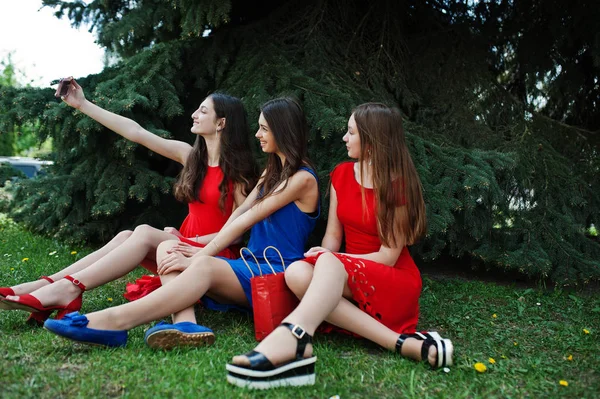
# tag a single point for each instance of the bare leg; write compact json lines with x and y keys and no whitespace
{"x":121,"y":260}
{"x":186,"y":314}
{"x":81,"y":264}
{"x":205,"y":275}
{"x":319,"y":291}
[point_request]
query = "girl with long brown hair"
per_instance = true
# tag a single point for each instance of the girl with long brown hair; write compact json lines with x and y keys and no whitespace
{"x":373,"y":288}
{"x":281,"y":211}
{"x":218,"y":173}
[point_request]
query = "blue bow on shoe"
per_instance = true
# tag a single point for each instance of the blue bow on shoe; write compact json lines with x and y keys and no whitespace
{"x":73,"y":327}
{"x":76,"y":319}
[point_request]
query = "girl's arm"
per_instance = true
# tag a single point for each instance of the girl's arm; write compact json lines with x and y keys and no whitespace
{"x":239,"y":199}
{"x":332,"y":240}
{"x":388,"y":255}
{"x":333,"y":237}
{"x":129,"y":129}
{"x":300,"y":185}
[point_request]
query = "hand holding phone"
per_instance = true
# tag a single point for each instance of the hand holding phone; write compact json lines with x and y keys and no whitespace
{"x":63,"y":87}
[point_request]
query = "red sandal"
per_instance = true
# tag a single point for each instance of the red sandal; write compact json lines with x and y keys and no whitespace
{"x":29,"y":303}
{"x":7,"y":291}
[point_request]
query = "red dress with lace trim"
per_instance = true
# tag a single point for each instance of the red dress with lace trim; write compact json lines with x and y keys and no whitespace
{"x":204,"y":217}
{"x":388,"y":294}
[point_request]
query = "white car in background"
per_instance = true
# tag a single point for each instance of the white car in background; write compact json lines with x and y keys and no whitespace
{"x":30,"y":167}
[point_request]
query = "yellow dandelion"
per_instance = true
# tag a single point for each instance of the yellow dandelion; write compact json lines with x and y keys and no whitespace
{"x":480,"y":367}
{"x":563,"y":383}
{"x":492,"y":360}
{"x":570,"y":358}
{"x":495,"y":316}
{"x":25,"y":259}
{"x":585,"y":330}
{"x":73,"y":252}
{"x":12,"y":269}
{"x":109,"y":299}
{"x":515,"y":343}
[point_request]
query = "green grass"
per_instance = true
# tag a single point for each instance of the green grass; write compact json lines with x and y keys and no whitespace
{"x":530,"y":339}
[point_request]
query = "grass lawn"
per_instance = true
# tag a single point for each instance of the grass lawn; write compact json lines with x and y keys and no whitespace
{"x":529,"y":340}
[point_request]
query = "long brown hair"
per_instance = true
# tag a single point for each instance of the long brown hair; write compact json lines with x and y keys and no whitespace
{"x":235,"y":157}
{"x":287,"y":122}
{"x":395,"y":179}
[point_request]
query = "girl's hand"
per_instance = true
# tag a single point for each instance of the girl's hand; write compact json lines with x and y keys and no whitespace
{"x":75,"y":97}
{"x":184,"y":248}
{"x":314,"y":251}
{"x":174,"y":262}
{"x":173,"y":230}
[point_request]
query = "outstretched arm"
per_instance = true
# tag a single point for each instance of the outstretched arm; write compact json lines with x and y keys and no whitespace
{"x":129,"y":129}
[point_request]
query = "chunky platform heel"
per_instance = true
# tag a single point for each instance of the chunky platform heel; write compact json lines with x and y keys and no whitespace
{"x":262,"y":374}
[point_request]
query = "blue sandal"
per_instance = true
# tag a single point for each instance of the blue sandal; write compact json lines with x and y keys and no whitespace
{"x":262,"y":374}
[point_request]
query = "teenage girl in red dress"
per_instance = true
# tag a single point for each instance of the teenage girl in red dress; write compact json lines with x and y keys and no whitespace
{"x":373,"y":288}
{"x":218,"y":173}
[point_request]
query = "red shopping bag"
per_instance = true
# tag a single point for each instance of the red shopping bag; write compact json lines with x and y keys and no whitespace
{"x":272,"y":300}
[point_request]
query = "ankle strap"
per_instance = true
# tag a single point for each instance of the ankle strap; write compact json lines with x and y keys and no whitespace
{"x":425,"y":349}
{"x":400,"y":342}
{"x":302,"y":337}
{"x":76,"y":282}
{"x":48,"y":279}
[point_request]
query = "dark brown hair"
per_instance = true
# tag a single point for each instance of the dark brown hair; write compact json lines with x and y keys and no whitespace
{"x":287,"y":122}
{"x":395,"y":179}
{"x":235,"y":158}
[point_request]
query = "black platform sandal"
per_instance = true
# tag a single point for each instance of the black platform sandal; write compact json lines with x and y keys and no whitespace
{"x":261,"y":374}
{"x":444,"y":347}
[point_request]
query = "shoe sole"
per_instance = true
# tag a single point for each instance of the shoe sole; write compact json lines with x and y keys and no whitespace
{"x":5,"y":305}
{"x":302,"y":373}
{"x":285,"y":382}
{"x":10,"y":305}
{"x":76,"y":341}
{"x":169,"y":339}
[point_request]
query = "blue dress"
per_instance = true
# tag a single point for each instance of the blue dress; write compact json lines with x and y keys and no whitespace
{"x":287,"y":229}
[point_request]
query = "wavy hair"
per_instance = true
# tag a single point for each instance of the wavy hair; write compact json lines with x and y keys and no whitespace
{"x":287,"y":122}
{"x":395,"y":178}
{"x":235,"y":157}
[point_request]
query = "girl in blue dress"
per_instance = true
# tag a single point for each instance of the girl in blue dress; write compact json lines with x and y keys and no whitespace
{"x":281,"y":211}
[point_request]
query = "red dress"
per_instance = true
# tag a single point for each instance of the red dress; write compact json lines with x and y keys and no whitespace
{"x":204,"y":217}
{"x":388,"y":294}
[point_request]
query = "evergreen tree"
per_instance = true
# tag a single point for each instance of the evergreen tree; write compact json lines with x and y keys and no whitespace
{"x":500,"y":100}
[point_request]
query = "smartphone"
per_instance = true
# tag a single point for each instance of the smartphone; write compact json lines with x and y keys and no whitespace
{"x":63,"y":87}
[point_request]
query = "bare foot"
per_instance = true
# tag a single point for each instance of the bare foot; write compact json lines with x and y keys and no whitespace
{"x":59,"y":293}
{"x":432,"y":355}
{"x":279,"y":347}
{"x":29,"y":287}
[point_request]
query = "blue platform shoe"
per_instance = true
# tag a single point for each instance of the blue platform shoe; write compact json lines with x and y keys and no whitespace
{"x":169,"y":336}
{"x":73,"y":327}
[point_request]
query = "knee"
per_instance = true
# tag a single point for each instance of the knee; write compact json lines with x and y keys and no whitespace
{"x":143,"y":229}
{"x":298,"y":277}
{"x":330,"y":264}
{"x":163,"y":247}
{"x":123,"y":235}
